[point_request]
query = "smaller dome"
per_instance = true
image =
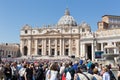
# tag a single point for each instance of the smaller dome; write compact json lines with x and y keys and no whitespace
{"x":84,"y":25}
{"x":67,"y":19}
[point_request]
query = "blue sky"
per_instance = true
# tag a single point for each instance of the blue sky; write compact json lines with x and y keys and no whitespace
{"x":14,"y":14}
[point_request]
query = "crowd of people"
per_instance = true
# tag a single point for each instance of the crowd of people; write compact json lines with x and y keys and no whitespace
{"x":56,"y":70}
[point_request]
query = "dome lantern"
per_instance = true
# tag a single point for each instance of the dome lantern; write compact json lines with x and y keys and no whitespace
{"x":67,"y":12}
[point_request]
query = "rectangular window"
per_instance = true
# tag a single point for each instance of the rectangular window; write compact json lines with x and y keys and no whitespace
{"x":83,"y":30}
{"x":25,"y":31}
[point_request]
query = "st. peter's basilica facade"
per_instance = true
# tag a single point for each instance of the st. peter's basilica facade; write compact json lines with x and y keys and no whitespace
{"x":67,"y":38}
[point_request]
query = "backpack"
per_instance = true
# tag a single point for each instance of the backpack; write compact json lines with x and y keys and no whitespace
{"x":63,"y":76}
{"x":48,"y":74}
{"x":77,"y":77}
{"x":112,"y":77}
{"x":68,"y":76}
{"x":22,"y":71}
{"x":39,"y":74}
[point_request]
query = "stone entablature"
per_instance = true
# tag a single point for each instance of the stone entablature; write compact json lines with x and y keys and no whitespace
{"x":55,"y":30}
{"x":102,"y":34}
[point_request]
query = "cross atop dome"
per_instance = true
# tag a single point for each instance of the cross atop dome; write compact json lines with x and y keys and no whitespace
{"x":67,"y":12}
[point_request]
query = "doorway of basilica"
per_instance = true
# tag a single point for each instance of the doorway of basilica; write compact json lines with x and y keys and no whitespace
{"x":25,"y":50}
{"x":66,"y":52}
{"x":89,"y":51}
{"x":39,"y":51}
{"x":58,"y":53}
{"x":52,"y":52}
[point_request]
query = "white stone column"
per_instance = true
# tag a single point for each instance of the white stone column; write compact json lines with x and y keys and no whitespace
{"x":70,"y":49}
{"x":29,"y":47}
{"x":77,"y":48}
{"x":107,"y":51}
{"x":82,"y":51}
{"x":83,"y":54}
{"x":45,"y":47}
{"x":49,"y":48}
{"x":63,"y":48}
{"x":56,"y":47}
{"x":102,"y":47}
{"x":96,"y":47}
{"x":21,"y":47}
{"x":60,"y":47}
{"x":93,"y":52}
{"x":42,"y":46}
{"x":36,"y":47}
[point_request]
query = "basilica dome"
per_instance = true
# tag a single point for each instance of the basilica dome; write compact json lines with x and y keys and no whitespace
{"x":67,"y":20}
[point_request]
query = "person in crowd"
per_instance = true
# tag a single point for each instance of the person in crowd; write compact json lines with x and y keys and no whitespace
{"x":118,"y":74}
{"x":72,"y":70}
{"x":53,"y":73}
{"x":79,"y":75}
{"x":14,"y":71}
{"x":29,"y":71}
{"x":95,"y":74}
{"x":89,"y":63}
{"x":22,"y":72}
{"x":19,"y":65}
{"x":62,"y":68}
{"x":90,"y":70}
{"x":106,"y":75}
{"x":85,"y":73}
{"x":81,"y":62}
{"x":7,"y":72}
{"x":100,"y":68}
{"x":82,"y":74}
{"x":47,"y":76}
{"x":75,"y":65}
{"x":1,"y":71}
{"x":39,"y":73}
{"x":45,"y":67}
{"x":112,"y":77}
{"x":66,"y":75}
